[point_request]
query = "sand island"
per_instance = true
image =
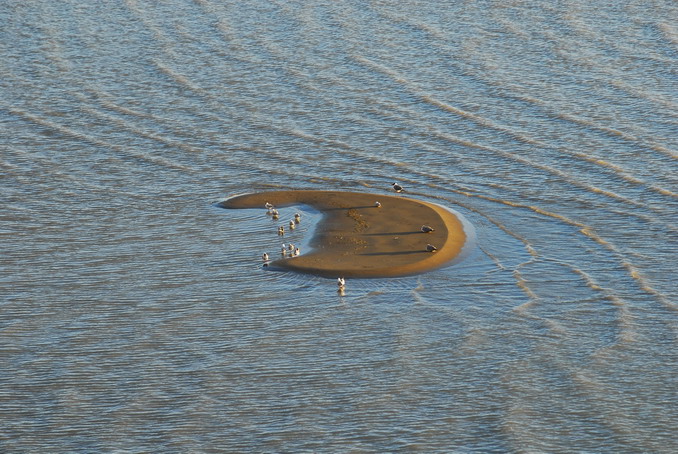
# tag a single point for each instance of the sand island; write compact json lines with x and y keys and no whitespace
{"x":357,"y":238}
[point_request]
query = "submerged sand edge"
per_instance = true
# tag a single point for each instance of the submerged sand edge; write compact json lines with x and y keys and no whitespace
{"x":357,"y":239}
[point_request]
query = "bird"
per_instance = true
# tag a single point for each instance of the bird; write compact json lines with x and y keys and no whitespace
{"x":283,"y":250}
{"x":377,"y":204}
{"x":397,"y":187}
{"x":292,"y":225}
{"x":296,"y":252}
{"x":290,"y":247}
{"x":275,"y":214}
{"x":297,"y":218}
{"x":431,"y":248}
{"x":427,"y":229}
{"x":281,"y":230}
{"x":265,"y":257}
{"x":341,"y":283}
{"x":268,"y":206}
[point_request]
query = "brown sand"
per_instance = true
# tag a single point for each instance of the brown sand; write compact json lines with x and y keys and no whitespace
{"x":357,"y":239}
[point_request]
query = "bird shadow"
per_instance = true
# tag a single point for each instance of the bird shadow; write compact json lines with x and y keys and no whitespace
{"x":394,"y":253}
{"x":391,"y":233}
{"x":349,"y":208}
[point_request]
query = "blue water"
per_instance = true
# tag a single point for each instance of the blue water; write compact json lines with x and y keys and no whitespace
{"x":135,"y":315}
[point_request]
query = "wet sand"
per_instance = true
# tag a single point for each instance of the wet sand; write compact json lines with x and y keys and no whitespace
{"x":357,"y":239}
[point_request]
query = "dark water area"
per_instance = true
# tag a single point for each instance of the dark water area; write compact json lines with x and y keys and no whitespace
{"x":135,"y":315}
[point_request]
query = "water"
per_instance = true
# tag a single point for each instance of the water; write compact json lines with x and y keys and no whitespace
{"x":134,"y":313}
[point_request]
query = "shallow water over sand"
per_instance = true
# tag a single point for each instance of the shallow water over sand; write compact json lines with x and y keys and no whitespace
{"x":131,"y":320}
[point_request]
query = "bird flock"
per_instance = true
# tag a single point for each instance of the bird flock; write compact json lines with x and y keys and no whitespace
{"x":424,"y":228}
{"x":290,"y":250}
{"x":287,"y":250}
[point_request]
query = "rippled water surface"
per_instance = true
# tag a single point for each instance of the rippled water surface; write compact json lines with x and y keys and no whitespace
{"x":135,"y":315}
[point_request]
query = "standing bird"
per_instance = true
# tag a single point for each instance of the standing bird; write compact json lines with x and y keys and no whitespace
{"x":377,"y":204}
{"x":265,"y":257}
{"x":292,"y":225}
{"x":297,"y":218}
{"x":397,"y":187}
{"x":281,"y":230}
{"x":341,"y":284}
{"x":427,"y":229}
{"x":290,"y":247}
{"x":296,"y":252}
{"x":275,"y":214}
{"x":283,"y":250}
{"x":431,"y":248}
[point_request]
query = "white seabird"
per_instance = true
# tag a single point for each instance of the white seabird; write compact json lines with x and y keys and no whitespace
{"x":397,"y":187}
{"x":341,"y":286}
{"x":377,"y":204}
{"x":427,"y":229}
{"x":431,"y":248}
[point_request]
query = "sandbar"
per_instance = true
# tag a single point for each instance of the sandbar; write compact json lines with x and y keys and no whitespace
{"x":357,"y":239}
